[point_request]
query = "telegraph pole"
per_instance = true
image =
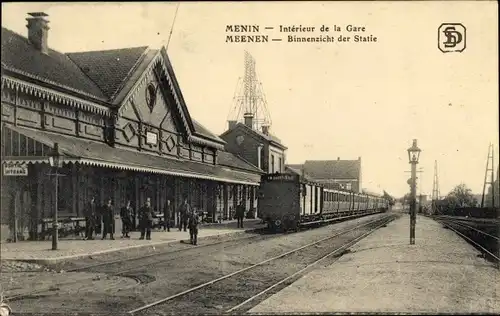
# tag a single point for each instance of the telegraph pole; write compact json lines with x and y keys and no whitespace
{"x":435,"y":189}
{"x":413,"y":156}
{"x":491,"y":182}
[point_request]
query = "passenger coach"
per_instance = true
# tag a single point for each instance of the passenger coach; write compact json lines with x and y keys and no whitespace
{"x":287,"y":202}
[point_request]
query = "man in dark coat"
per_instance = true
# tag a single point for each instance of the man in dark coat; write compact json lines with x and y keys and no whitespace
{"x":126,"y":213}
{"x":98,"y":219}
{"x":240,"y":213}
{"x":146,"y":219}
{"x":90,"y":219}
{"x":193,"y":223}
{"x":108,"y":220}
{"x":167,"y":215}
{"x":184,"y":212}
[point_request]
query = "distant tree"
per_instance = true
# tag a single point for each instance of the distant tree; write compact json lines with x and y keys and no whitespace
{"x":460,"y":196}
{"x":388,"y":197}
{"x":406,"y":198}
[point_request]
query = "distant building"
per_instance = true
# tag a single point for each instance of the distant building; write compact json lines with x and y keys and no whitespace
{"x":260,"y":148}
{"x":342,"y":174}
{"x":423,"y":198}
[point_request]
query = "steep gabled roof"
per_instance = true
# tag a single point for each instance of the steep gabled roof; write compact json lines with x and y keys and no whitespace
{"x":204,"y":132}
{"x":270,"y":138}
{"x":231,"y":160}
{"x":333,"y":169}
{"x":109,"y":69}
{"x":19,"y":56}
{"x":106,"y":75}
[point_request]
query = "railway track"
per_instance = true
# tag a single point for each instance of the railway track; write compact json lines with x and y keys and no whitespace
{"x":121,"y":267}
{"x":234,"y":292}
{"x":126,"y":266}
{"x":486,"y":242}
{"x":157,"y":257}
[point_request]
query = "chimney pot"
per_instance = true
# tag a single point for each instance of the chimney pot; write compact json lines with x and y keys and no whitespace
{"x":265,"y":129}
{"x":231,"y":124}
{"x":38,"y":31}
{"x":248,"y":119}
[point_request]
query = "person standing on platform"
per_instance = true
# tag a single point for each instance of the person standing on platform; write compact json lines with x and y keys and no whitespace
{"x":108,"y":220}
{"x":146,"y":219}
{"x":240,"y":214}
{"x":184,"y":212}
{"x":98,"y":219}
{"x":193,"y":223}
{"x":167,"y":214}
{"x":90,"y":219}
{"x":126,"y":216}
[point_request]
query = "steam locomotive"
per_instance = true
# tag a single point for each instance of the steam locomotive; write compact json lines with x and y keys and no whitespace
{"x":288,"y":202}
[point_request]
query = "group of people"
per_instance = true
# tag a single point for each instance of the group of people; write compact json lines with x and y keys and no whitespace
{"x":188,"y":218}
{"x":99,"y":218}
{"x":96,"y":216}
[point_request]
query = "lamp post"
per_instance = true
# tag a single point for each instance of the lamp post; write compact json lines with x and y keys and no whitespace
{"x":56,"y":162}
{"x":413,"y":156}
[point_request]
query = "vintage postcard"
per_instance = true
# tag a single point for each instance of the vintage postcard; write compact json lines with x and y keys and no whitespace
{"x":261,"y":158}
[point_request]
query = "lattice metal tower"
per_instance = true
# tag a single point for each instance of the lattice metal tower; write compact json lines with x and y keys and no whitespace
{"x":249,"y":100}
{"x":435,"y":187}
{"x":492,"y":177}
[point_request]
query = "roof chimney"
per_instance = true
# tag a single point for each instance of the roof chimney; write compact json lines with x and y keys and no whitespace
{"x":248,"y":119}
{"x":231,"y":124}
{"x":265,"y":129}
{"x":38,"y":31}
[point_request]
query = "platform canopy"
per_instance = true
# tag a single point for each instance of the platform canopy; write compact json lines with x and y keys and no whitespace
{"x":93,"y":153}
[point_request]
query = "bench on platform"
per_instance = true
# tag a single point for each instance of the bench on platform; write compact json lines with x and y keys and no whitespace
{"x":68,"y":225}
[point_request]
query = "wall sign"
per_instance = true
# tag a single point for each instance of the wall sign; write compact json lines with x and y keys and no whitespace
{"x":151,"y":138}
{"x":280,"y":177}
{"x":15,"y":169}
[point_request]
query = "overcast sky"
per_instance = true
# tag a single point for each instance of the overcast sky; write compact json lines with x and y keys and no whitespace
{"x":326,"y":100}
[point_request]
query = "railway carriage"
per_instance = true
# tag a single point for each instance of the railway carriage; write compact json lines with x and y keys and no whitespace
{"x":287,"y":202}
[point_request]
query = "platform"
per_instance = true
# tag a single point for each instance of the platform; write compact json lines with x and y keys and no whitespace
{"x":441,"y":273}
{"x":40,"y":251}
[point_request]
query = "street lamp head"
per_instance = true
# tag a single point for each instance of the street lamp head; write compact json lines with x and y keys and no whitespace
{"x":414,"y":152}
{"x":55,"y":158}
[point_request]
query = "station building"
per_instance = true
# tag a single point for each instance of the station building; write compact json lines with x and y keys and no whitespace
{"x":258,"y":147}
{"x":122,"y":126}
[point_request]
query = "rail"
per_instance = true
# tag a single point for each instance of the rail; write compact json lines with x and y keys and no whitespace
{"x":452,"y":224}
{"x":384,"y":221}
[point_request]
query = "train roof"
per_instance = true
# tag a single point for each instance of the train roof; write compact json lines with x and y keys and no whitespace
{"x":294,"y":175}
